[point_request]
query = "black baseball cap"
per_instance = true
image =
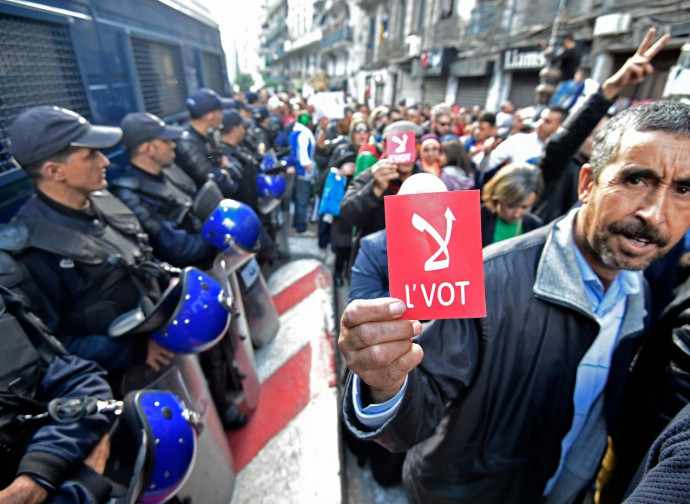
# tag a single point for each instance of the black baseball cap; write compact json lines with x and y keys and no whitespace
{"x":251,"y":97}
{"x":41,"y":132}
{"x":140,"y":127}
{"x":202,"y":101}
{"x":231,"y":118}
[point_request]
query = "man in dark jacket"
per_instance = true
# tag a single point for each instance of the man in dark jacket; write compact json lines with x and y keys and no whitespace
{"x":159,"y":193}
{"x":46,"y":461}
{"x":516,"y":407}
{"x":84,"y":248}
{"x":198,"y":149}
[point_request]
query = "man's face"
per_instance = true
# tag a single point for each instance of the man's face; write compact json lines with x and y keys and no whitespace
{"x":547,"y":124}
{"x":442,"y":125}
{"x":83,"y":171}
{"x":245,"y":113}
{"x":405,"y":168}
{"x":162,"y":151}
{"x":484,"y":130}
{"x":239,"y":132}
{"x":640,"y":206}
{"x":412,"y":115}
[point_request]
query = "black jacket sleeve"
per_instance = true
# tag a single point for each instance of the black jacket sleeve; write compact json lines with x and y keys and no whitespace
{"x":565,"y":142}
{"x":145,"y":213}
{"x":360,"y":201}
{"x":192,"y":157}
{"x":57,"y":449}
{"x":666,"y":471}
{"x":176,"y":246}
{"x":558,"y":155}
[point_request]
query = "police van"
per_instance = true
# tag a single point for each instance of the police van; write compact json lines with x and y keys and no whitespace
{"x":102,"y":59}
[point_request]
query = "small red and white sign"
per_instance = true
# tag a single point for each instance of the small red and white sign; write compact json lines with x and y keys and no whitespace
{"x":400,"y":147}
{"x":435,"y":254}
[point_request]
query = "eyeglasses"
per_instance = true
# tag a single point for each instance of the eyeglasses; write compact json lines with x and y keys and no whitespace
{"x":362,"y":130}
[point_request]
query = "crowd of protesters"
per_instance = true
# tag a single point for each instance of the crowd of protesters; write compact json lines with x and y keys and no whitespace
{"x":525,"y":404}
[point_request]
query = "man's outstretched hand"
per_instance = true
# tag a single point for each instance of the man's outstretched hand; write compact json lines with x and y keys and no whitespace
{"x":378,"y":346}
{"x":637,"y":67}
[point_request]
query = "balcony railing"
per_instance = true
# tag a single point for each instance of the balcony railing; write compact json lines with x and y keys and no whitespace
{"x":342,"y":35}
{"x":481,"y":19}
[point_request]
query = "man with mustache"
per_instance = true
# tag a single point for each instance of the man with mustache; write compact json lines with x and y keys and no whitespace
{"x":516,"y":407}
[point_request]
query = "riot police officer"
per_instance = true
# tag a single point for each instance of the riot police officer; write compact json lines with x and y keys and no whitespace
{"x":233,"y":132}
{"x":198,"y":150}
{"x":44,"y":460}
{"x":262,"y":129}
{"x":159,"y":192}
{"x":84,"y":248}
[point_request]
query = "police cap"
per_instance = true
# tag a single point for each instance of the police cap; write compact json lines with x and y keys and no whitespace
{"x":140,"y":127}
{"x":202,"y":101}
{"x":41,"y":132}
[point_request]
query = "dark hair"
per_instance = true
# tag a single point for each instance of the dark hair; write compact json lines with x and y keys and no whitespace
{"x":584,"y":70}
{"x":559,"y":110}
{"x":393,"y":110}
{"x":33,"y":170}
{"x":456,"y":155}
{"x":487,"y":117}
{"x":667,"y":116}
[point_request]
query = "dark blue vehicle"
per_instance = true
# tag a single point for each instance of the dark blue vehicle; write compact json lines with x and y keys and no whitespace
{"x":102,"y":59}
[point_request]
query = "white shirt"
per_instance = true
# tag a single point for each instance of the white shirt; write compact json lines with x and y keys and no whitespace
{"x":518,"y":148}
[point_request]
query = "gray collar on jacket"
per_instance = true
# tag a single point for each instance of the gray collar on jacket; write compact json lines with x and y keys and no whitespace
{"x":559,"y":280}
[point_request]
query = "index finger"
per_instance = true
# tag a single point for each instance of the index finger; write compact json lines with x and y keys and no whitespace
{"x":361,"y":311}
{"x":642,"y":48}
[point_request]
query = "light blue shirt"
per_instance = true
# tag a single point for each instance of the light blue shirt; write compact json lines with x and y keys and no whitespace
{"x":608,"y":308}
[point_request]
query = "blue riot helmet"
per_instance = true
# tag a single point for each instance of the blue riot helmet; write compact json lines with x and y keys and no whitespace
{"x":269,"y":161}
{"x":232,"y":224}
{"x":154,"y":446}
{"x":270,"y":186}
{"x":190,"y":317}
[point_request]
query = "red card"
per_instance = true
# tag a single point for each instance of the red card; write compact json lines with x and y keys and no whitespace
{"x":400,"y":147}
{"x":435,"y":254}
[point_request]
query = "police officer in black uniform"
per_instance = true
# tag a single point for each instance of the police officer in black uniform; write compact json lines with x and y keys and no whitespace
{"x":44,"y":460}
{"x":265,"y":135}
{"x":198,"y":149}
{"x":84,"y":248}
{"x":160,"y":193}
{"x":250,"y":142}
{"x":232,"y":134}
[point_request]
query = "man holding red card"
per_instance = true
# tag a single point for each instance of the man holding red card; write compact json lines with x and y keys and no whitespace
{"x":515,"y":407}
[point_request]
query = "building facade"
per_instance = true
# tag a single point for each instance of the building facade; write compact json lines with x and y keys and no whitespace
{"x":473,"y":52}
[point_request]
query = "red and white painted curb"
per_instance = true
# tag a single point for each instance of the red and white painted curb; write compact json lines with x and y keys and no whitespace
{"x":288,"y":452}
